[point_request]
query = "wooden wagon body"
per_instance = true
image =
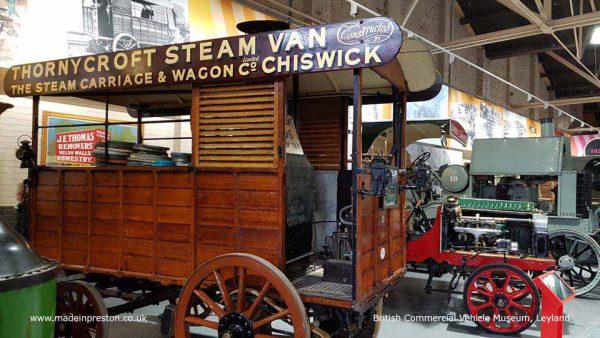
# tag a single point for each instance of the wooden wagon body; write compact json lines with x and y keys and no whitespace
{"x":168,"y":226}
{"x":160,"y":224}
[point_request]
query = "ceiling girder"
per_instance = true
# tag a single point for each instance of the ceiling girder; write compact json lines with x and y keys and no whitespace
{"x":574,"y":68}
{"x":560,"y":102}
{"x":570,"y":22}
{"x":574,"y":91}
{"x":524,"y":48}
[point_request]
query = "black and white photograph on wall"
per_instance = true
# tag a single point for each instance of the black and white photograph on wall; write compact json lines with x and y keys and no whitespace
{"x":515,"y":125}
{"x":83,"y":27}
{"x":11,"y":12}
{"x":436,"y":108}
{"x":113,"y":25}
{"x":489,"y":125}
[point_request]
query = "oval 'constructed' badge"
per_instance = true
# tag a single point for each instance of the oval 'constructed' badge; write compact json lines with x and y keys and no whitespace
{"x":369,"y":32}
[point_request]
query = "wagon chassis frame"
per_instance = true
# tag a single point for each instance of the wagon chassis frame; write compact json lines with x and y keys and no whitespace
{"x":137,"y":293}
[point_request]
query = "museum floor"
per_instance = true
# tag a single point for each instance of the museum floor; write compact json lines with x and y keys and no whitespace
{"x":408,"y":301}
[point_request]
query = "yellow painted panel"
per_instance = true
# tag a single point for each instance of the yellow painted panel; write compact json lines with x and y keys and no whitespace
{"x":211,"y":19}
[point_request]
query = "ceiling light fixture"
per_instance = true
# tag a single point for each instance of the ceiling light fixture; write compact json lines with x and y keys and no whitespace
{"x":596,"y":36}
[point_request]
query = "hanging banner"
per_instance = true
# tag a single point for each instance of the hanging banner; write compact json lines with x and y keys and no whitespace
{"x":355,"y":44}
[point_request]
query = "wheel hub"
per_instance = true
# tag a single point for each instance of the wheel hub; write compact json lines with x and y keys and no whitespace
{"x":235,"y":325}
{"x":566,"y":262}
{"x":501,"y":301}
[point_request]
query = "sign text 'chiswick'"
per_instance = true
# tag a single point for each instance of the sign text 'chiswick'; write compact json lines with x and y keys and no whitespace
{"x":356,"y":44}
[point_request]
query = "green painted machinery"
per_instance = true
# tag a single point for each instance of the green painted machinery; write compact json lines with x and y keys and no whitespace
{"x":504,"y":181}
{"x":27,"y":289}
{"x":489,"y":205}
{"x":515,"y":170}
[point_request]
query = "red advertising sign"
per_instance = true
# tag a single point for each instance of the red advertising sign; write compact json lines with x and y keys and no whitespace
{"x":458,"y":132}
{"x":76,"y":147}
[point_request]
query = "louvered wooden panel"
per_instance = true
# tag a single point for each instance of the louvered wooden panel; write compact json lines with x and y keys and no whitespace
{"x":235,"y":126}
{"x":320,"y":132}
{"x":122,"y":6}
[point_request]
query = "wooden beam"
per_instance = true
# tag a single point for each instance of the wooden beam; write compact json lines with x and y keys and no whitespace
{"x":524,"y":11}
{"x":582,"y":43}
{"x":410,"y":10}
{"x":559,"y":102}
{"x":541,"y":9}
{"x":581,"y":131}
{"x":518,"y":7}
{"x":575,"y":37}
{"x":574,"y":68}
{"x":570,"y":22}
{"x":548,"y":8}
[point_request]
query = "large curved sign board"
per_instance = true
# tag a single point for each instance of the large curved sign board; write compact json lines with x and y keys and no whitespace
{"x":354,"y":44}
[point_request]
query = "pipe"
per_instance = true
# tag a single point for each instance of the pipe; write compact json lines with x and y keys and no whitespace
{"x":547,"y":126}
{"x":35,"y":127}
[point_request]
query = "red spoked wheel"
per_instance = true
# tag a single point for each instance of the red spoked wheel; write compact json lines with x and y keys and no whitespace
{"x":501,"y":298}
{"x":253,"y":299}
{"x":81,"y":300}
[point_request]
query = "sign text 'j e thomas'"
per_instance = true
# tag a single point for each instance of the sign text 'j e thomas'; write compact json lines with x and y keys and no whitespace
{"x":76,"y":147}
{"x":355,"y":44}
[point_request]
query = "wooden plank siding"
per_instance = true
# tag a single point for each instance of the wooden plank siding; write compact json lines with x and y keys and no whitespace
{"x":118,"y":220}
{"x":155,"y":223}
{"x":238,"y":143}
{"x":380,"y":244}
{"x":162,"y":223}
{"x":240,"y":212}
{"x":321,"y":129}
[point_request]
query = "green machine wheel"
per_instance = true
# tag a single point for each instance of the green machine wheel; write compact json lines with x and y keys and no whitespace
{"x":27,"y":289}
{"x":577,"y":257}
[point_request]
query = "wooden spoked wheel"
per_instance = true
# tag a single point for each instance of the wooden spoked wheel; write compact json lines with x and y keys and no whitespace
{"x":351,"y":324}
{"x":370,"y":326}
{"x":501,"y":298}
{"x":85,"y":304}
{"x":124,"y":41}
{"x":254,"y":299}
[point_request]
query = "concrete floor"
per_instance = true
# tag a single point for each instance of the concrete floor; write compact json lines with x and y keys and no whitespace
{"x":409,"y":299}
